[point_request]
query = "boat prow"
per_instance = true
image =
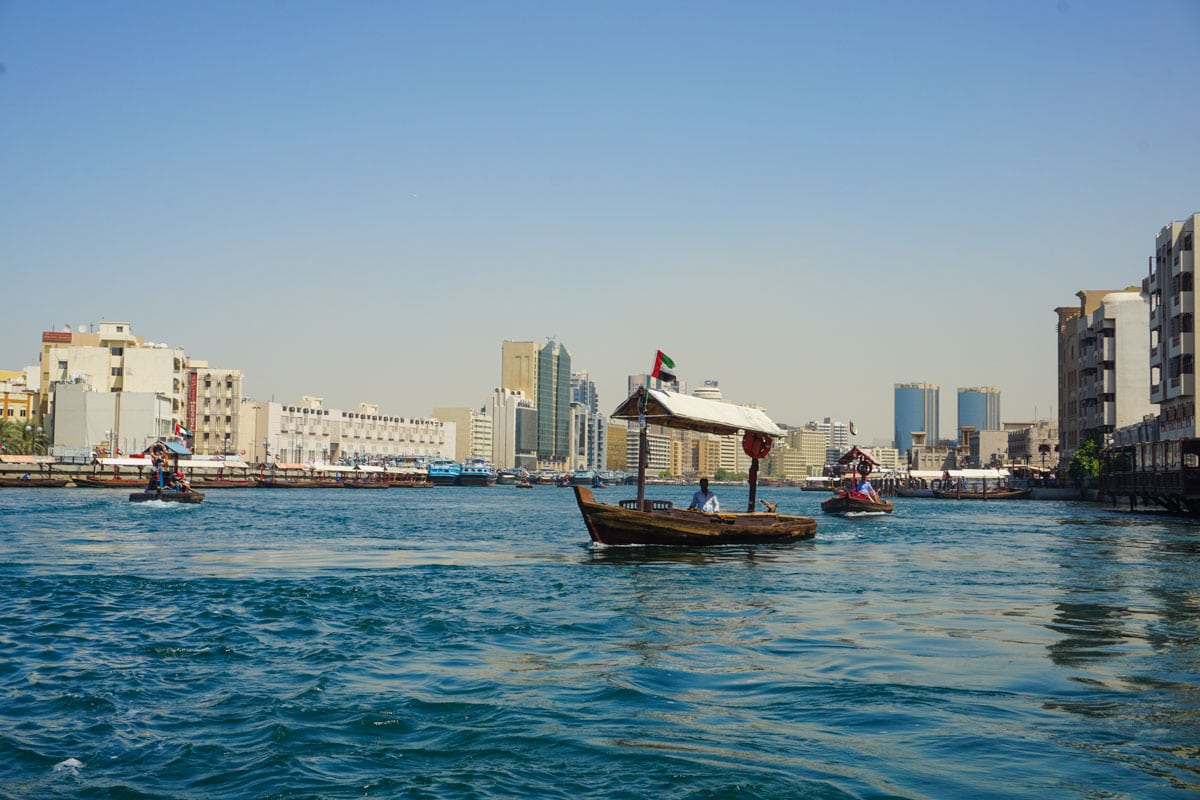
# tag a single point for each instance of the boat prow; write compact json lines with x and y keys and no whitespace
{"x":660,"y":523}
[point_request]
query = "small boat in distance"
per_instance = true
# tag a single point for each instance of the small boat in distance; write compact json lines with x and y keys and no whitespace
{"x":657,"y":522}
{"x":166,"y":483}
{"x":856,"y":464}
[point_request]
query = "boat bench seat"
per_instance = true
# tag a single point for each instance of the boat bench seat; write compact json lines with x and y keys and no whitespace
{"x":649,"y":505}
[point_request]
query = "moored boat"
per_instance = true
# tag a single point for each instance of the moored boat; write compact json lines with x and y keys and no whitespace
{"x":35,"y":483}
{"x":93,"y":482}
{"x":476,"y":471}
{"x":444,"y":472}
{"x":999,"y":493}
{"x":657,"y":522}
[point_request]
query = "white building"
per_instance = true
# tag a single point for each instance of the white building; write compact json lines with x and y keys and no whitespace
{"x":309,"y":433}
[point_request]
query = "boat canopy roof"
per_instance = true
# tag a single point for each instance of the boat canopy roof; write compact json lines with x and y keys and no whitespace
{"x":674,"y":410}
{"x":854,"y":454}
{"x":968,"y":474}
{"x":173,"y":447}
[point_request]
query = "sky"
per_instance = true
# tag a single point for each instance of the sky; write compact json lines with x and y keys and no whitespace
{"x":807,"y":202}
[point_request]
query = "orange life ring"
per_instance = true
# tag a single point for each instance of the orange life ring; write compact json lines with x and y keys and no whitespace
{"x":158,"y":454}
{"x":756,"y":445}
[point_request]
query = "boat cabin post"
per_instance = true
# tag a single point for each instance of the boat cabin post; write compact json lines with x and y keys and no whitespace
{"x":643,"y":457}
{"x":753,"y":484}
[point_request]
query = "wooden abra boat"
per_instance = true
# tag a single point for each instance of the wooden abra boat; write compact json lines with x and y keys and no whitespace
{"x":855,"y":503}
{"x":35,"y":483}
{"x":850,"y":500}
{"x":662,"y":524}
{"x":166,"y":481}
{"x":657,"y":522}
{"x":1002,"y":493}
{"x":167,"y":496}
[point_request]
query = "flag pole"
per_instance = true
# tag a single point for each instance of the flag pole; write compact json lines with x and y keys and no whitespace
{"x":643,"y":446}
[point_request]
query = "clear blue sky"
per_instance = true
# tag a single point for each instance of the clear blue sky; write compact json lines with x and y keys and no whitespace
{"x":808,"y":202}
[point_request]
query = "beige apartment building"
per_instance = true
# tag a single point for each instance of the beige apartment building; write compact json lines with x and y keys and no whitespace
{"x":112,"y":359}
{"x":1170,"y":289}
{"x":214,"y":410}
{"x":1104,"y":382}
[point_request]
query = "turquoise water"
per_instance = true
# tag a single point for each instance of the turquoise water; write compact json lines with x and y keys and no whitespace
{"x":470,"y":643}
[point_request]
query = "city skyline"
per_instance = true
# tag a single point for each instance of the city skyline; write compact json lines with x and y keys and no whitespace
{"x":333,"y":199}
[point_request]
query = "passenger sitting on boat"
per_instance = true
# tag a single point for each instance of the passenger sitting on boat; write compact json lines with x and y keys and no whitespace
{"x":181,"y":485}
{"x":704,"y":500}
{"x":865,"y":487}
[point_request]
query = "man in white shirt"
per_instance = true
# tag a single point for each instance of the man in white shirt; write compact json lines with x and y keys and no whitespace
{"x":704,"y":500}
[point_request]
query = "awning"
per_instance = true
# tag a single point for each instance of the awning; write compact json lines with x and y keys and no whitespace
{"x":124,"y":462}
{"x":966,"y":474}
{"x":231,"y":463}
{"x":673,"y":410}
{"x":26,"y":460}
{"x":289,"y":466}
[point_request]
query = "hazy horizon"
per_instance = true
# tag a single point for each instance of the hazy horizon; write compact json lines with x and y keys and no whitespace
{"x":807,"y":203}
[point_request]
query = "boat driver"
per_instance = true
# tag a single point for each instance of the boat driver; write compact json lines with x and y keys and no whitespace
{"x":866,"y":488}
{"x":704,"y":500}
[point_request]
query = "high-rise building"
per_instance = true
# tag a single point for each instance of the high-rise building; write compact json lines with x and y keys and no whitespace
{"x":554,"y":404}
{"x":979,"y":407}
{"x":1170,"y":290}
{"x":543,"y":373}
{"x":916,"y":410}
{"x":589,"y":428}
{"x":637,"y":381}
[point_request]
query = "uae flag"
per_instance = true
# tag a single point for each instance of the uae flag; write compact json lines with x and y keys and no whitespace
{"x":181,"y":431}
{"x":664,"y":368}
{"x":853,"y":432}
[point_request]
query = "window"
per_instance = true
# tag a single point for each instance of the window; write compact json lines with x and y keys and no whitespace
{"x":117,"y":351}
{"x":62,"y":365}
{"x":116,"y":372}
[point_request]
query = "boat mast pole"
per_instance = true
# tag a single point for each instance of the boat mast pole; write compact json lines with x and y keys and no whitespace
{"x":643,"y":447}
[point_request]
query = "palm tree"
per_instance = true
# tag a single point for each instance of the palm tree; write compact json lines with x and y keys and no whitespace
{"x":11,"y":435}
{"x":18,"y":439}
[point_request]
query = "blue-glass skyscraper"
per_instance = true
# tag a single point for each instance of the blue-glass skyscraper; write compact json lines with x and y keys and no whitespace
{"x":979,"y":406}
{"x":916,"y":409}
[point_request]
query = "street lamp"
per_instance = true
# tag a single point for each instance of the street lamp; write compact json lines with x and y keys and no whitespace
{"x":31,"y":435}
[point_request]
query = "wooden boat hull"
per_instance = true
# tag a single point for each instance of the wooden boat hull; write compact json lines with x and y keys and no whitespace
{"x":220,"y":483}
{"x":855,"y":504}
{"x":267,"y":483}
{"x":108,"y":483}
{"x":615,"y":525}
{"x":903,"y":492}
{"x":167,"y":497}
{"x":997,"y":494}
{"x":369,"y":485}
{"x":35,"y":483}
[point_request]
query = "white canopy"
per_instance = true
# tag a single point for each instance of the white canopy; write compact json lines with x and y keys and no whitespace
{"x":966,"y":474}
{"x":674,"y":410}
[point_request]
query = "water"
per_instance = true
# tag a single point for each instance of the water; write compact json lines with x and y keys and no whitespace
{"x":470,"y":643}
